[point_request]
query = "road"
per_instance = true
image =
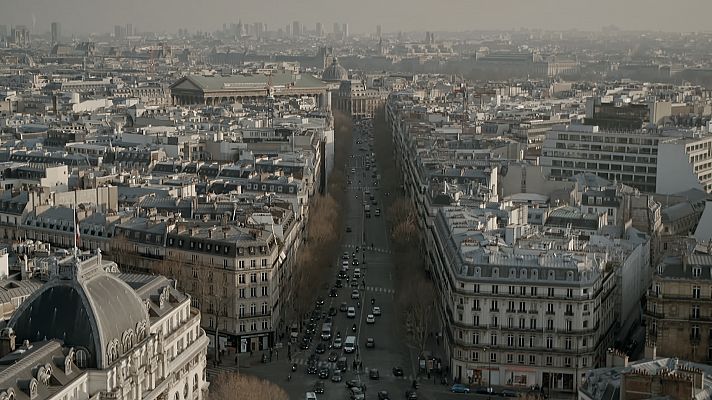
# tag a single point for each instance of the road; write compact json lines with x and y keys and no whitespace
{"x":368,"y":240}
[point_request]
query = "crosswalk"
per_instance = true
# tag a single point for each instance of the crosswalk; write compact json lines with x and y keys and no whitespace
{"x":377,"y":289}
{"x":332,"y":365}
{"x":217,"y":370}
{"x":368,"y":248}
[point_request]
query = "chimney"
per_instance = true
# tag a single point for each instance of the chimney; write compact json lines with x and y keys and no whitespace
{"x":7,"y":341}
{"x":651,"y":351}
{"x":616,"y":358}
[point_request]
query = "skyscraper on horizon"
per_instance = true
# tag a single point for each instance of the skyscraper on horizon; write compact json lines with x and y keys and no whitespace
{"x":345,"y":30}
{"x":56,"y":32}
{"x":378,"y":31}
{"x":296,"y":28}
{"x":319,"y":29}
{"x":129,"y":30}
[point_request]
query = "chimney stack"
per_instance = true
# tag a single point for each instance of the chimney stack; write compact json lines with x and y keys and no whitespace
{"x":7,"y":341}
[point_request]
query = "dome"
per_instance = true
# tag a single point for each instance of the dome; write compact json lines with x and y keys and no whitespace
{"x":335,"y":72}
{"x":88,"y":308}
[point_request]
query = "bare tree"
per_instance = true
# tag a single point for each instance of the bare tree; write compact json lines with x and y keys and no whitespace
{"x":418,"y":302}
{"x":233,"y":386}
{"x":403,"y":222}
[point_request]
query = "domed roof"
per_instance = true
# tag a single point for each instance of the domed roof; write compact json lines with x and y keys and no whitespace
{"x":86,"y":307}
{"x":335,"y":72}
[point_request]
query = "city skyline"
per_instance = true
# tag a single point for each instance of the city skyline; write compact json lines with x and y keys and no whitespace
{"x":399,"y":15}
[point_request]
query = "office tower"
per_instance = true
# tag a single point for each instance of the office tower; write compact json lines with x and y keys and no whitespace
{"x":337,"y":28}
{"x":129,"y":30}
{"x":119,"y":32}
{"x":378,"y":31}
{"x":288,"y":30}
{"x":56,"y":32}
{"x":3,"y":31}
{"x":296,"y":28}
{"x":345,"y":30}
{"x":319,"y":29}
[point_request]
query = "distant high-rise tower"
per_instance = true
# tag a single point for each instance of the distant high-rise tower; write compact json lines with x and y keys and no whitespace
{"x":296,"y":28}
{"x":129,"y":30}
{"x":3,"y":31}
{"x":119,"y":32}
{"x":319,"y":29}
{"x":56,"y":32}
{"x":337,"y":28}
{"x":378,"y":31}
{"x":288,"y":30}
{"x":345,"y":30}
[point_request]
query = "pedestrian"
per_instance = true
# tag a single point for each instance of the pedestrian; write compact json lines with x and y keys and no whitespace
{"x":276,"y":354}
{"x":250,"y":353}
{"x":235,"y":359}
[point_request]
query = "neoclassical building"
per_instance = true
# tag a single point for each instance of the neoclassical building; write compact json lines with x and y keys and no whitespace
{"x":93,"y":333}
{"x":217,"y":89}
{"x":351,"y":96}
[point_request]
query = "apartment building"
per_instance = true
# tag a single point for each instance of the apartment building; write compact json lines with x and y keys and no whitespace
{"x":649,"y":160}
{"x":679,"y":307}
{"x":520,"y":317}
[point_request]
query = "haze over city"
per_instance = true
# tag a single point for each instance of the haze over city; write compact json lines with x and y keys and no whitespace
{"x":375,"y":199}
{"x":86,"y":16}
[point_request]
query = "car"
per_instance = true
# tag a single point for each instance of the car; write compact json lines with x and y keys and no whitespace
{"x":354,"y":262}
{"x":305,"y":345}
{"x":337,"y":343}
{"x":311,"y":396}
{"x":373,"y":374}
{"x":324,"y":373}
{"x":345,"y":256}
{"x":345,"y":265}
{"x":411,"y":395}
{"x":343,"y":307}
{"x":348,"y":229}
{"x":459,"y":388}
{"x":376,"y":310}
{"x":320,"y":301}
{"x":319,"y":387}
{"x":312,"y":369}
{"x":351,"y":313}
{"x":397,"y":371}
{"x":370,"y":319}
{"x":332,"y":311}
{"x":370,"y":343}
{"x":383,"y":395}
{"x":354,"y":284}
{"x":353,"y":170}
{"x":351,"y":383}
{"x":508,"y":393}
{"x":378,"y":212}
{"x":338,"y":284}
{"x":333,"y":356}
{"x":311,"y":328}
{"x":342,"y":275}
{"x":336,"y":376}
{"x":354,"y":294}
{"x":333,"y":293}
{"x":485,"y":390}
{"x":320,"y":348}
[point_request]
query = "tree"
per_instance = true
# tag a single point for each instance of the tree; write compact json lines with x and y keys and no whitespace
{"x":402,"y":219}
{"x":233,"y":386}
{"x":418,"y":302}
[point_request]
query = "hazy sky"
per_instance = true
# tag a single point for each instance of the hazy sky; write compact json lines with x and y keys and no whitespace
{"x":361,"y":15}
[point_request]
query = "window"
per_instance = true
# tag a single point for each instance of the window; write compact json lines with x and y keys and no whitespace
{"x":569,"y":309}
{"x":510,"y":306}
{"x":696,"y":272}
{"x":493,"y":339}
{"x":550,"y":324}
{"x":549,"y":342}
{"x":549,"y":360}
{"x":242,"y":310}
{"x":476,"y":338}
{"x":522,"y":323}
{"x":569,"y":293}
{"x":533,"y":291}
{"x":695,"y":311}
{"x":512,"y":290}
{"x":532,"y":359}
{"x":695,"y":332}
{"x":567,"y":361}
{"x":253,"y":292}
{"x":550,"y":292}
{"x":520,"y":341}
{"x":510,"y":340}
{"x":531,"y":341}
{"x":476,"y":320}
{"x":264,"y":291}
{"x":550,"y":308}
{"x":510,"y":358}
{"x":495,"y":289}
{"x":584,"y":342}
{"x":523,"y":291}
{"x":495,"y":321}
{"x":241,"y":278}
{"x":522,"y":306}
{"x":476,"y":288}
{"x":696,"y":292}
{"x":81,"y":358}
{"x":493,"y":357}
{"x":263,"y":277}
{"x":253,"y":277}
{"x":494,"y":306}
{"x":475,"y":356}
{"x":569,"y":325}
{"x":476,"y":304}
{"x":242,"y":293}
{"x":532,"y":323}
{"x":520,"y":358}
{"x":567,"y":343}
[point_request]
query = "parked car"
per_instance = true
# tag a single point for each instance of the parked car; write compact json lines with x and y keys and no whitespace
{"x":370,"y":343}
{"x":411,"y":395}
{"x":459,"y":388}
{"x":319,"y":387}
{"x":508,"y":393}
{"x":397,"y":371}
{"x":383,"y":395}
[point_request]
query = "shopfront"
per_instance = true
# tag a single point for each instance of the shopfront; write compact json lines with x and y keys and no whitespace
{"x":520,"y":376}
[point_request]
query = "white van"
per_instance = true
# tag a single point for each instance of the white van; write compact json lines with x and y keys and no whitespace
{"x":350,"y":344}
